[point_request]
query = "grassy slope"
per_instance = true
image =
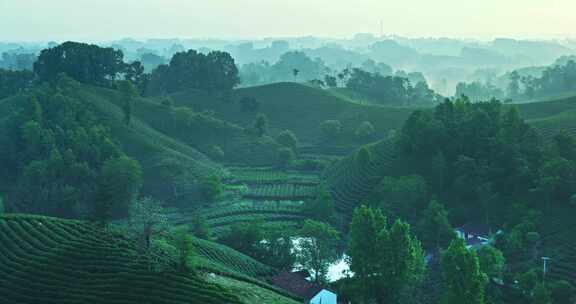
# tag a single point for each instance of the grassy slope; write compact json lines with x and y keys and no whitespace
{"x":76,"y":262}
{"x":48,"y":260}
{"x":297,"y":107}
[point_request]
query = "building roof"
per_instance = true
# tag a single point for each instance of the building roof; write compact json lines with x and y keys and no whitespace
{"x":476,"y":229}
{"x":296,"y":283}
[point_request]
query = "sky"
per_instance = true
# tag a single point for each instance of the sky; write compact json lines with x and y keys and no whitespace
{"x":102,"y":20}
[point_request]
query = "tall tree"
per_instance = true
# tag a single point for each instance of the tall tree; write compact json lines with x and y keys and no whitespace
{"x":147,"y":216}
{"x":317,"y":248}
{"x":261,"y":124}
{"x":435,"y":228}
{"x":86,"y":63}
{"x":363,"y":249}
{"x":129,"y":92}
{"x":465,"y":282}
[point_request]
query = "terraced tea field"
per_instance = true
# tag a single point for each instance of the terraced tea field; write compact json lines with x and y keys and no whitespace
{"x":48,"y":260}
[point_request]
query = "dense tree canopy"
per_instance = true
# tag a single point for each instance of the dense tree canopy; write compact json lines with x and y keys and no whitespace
{"x":215,"y":71}
{"x":86,"y":63}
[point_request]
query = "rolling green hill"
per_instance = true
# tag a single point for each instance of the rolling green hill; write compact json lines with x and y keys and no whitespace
{"x":297,"y":107}
{"x":48,"y":260}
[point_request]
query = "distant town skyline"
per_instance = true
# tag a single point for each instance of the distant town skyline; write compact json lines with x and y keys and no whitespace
{"x":100,"y":20}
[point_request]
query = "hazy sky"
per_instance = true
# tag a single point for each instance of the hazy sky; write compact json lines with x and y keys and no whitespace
{"x":112,"y":19}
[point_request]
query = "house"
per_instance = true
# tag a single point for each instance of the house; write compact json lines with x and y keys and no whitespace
{"x":297,"y":283}
{"x":476,"y":235}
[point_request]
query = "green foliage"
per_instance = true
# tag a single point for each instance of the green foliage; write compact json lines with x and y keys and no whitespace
{"x":541,"y":295}
{"x":287,"y":139}
{"x":118,"y":185}
{"x":200,"y":228}
{"x":331,"y":128}
{"x":435,"y":228}
{"x":365,"y":130}
{"x":390,"y":90}
{"x":82,"y":263}
{"x":322,"y":208}
{"x":55,"y":149}
{"x":492,"y":262}
{"x":211,"y":188}
{"x":182,"y":240}
{"x":317,"y":248}
{"x":401,"y":196}
{"x":215,"y":71}
{"x":363,"y":156}
{"x":261,"y":124}
{"x":285,"y":157}
{"x":129,"y":92}
{"x":2,"y":207}
{"x":244,"y":237}
{"x":562,"y":292}
{"x":14,"y":82}
{"x":387,"y":263}
{"x":465,"y":282}
{"x":86,"y":63}
{"x":147,"y":218}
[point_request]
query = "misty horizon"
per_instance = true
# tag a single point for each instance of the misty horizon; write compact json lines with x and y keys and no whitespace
{"x":63,"y":20}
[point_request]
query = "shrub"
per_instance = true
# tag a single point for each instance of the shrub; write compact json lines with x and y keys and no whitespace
{"x":261,"y":124}
{"x":211,"y":188}
{"x":285,"y":157}
{"x":287,"y":139}
{"x":365,"y":130}
{"x":331,"y":128}
{"x":363,"y":156}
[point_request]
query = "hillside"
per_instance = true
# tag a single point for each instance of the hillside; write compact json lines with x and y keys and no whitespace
{"x":299,"y":108}
{"x":47,"y":260}
{"x":69,"y":261}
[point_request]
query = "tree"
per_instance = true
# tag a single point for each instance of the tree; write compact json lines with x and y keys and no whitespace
{"x":285,"y":157}
{"x":2,"y":208}
{"x":363,"y":156}
{"x":288,"y":139}
{"x":465,"y":282}
{"x":148,"y":218}
{"x":295,"y":73}
{"x":562,"y":292}
{"x":211,"y":188}
{"x":182,"y":240}
{"x":492,"y":261}
{"x":86,"y":63}
{"x":317,"y":248}
{"x":514,"y":85}
{"x":435,"y":228}
{"x":330,"y":81}
{"x":200,"y":228}
{"x":244,"y":237}
{"x":261,"y":124}
{"x":364,"y":251}
{"x":213,"y":72}
{"x":129,"y":92}
{"x":541,"y":295}
{"x":321,"y":208}
{"x":277,"y":248}
{"x":365,"y":130}
{"x":388,"y":263}
{"x":119,"y":183}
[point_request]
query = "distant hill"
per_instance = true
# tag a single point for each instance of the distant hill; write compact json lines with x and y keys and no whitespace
{"x":350,"y":183}
{"x":299,"y":108}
